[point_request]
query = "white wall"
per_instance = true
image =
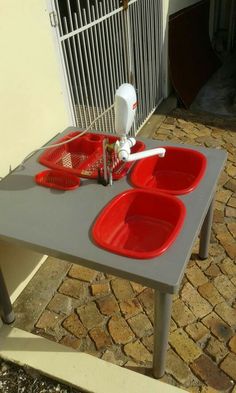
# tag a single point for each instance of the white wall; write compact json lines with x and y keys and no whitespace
{"x":176,"y":5}
{"x":32,"y":105}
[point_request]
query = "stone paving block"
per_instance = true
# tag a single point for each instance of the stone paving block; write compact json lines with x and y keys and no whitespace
{"x":100,"y":337}
{"x":71,"y":341}
{"x":62,"y":304}
{"x":48,"y":320}
{"x":225,"y":287}
{"x":197,"y":304}
{"x":100,"y":289}
{"x":122,"y":289}
{"x":198,"y":332}
{"x":229,"y":366}
{"x":89,"y":315}
{"x":227,"y":313}
{"x":232,"y":202}
{"x":88,"y":346}
{"x":39,"y":290}
{"x":213,"y":271}
{"x":148,"y":341}
{"x":140,"y":324}
{"x":82,"y":273}
{"x":146,"y":298}
{"x":137,"y":351}
{"x":230,"y":212}
{"x":186,"y":348}
{"x":216,"y":349}
{"x":73,"y":325}
{"x":204,"y":264}
{"x":218,"y":327}
{"x":208,"y":389}
{"x":230,"y":185}
{"x":223,"y":195}
{"x":195,"y":276}
{"x":109,"y":356}
{"x":210,"y":293}
{"x":130,"y":307}
{"x":173,"y":325}
{"x":232,"y":228}
{"x":108,"y":305}
{"x":208,"y":371}
{"x":230,"y":249}
{"x":216,"y":250}
{"x":228,"y":267}
{"x":120,"y":330}
{"x":138,"y":288}
{"x":74,"y":288}
{"x":181,"y":313}
{"x":232,"y":344}
{"x":178,"y":369}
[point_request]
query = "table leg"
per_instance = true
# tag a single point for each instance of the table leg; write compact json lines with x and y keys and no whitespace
{"x":162,"y":316}
{"x":7,"y":312}
{"x":205,"y":234}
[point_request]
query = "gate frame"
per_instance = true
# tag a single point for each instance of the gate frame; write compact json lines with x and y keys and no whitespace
{"x":52,"y":15}
{"x":165,"y":85}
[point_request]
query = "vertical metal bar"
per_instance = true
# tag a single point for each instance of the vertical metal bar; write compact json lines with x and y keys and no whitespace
{"x":93,"y":66}
{"x":7,"y":312}
{"x":205,"y":235}
{"x":113,"y":34}
{"x":146,"y":70}
{"x":99,"y":62}
{"x":138,"y":63}
{"x":89,"y":66}
{"x":118,"y":36}
{"x":71,"y":68}
{"x":85,"y":58}
{"x":162,"y":317}
{"x":149,"y":40}
{"x":77,"y":73}
{"x":142,"y":70}
{"x":59,"y":17}
{"x":153,"y":71}
{"x":110,"y":63}
{"x":125,"y":49}
{"x":159,"y":34}
{"x":105,"y":75}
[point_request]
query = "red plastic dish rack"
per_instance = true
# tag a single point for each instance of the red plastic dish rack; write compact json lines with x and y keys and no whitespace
{"x":83,"y":156}
{"x":57,"y":179}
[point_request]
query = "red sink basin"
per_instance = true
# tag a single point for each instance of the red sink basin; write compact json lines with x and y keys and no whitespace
{"x":139,"y":223}
{"x":179,"y":172}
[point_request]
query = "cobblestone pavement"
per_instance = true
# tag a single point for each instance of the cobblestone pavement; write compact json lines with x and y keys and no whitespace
{"x":112,"y":318}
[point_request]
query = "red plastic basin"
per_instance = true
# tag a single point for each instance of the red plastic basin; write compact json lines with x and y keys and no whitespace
{"x":179,"y":172}
{"x":139,"y":223}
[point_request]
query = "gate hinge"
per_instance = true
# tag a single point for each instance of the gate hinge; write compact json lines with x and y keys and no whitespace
{"x":53,"y":19}
{"x":125,"y":4}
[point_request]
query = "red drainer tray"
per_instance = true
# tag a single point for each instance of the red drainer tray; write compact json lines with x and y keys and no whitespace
{"x":83,"y":156}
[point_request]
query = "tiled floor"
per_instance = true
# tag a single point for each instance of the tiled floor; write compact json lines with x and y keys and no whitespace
{"x":112,"y":318}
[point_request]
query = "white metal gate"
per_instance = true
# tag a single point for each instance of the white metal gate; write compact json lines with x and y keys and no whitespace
{"x":105,"y":43}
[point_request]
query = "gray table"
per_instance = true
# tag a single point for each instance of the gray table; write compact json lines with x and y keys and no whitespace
{"x":58,"y":223}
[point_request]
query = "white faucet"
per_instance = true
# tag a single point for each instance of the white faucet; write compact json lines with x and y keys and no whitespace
{"x":125,"y":108}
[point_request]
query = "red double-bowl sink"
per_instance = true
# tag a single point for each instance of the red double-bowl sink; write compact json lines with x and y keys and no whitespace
{"x":144,"y":222}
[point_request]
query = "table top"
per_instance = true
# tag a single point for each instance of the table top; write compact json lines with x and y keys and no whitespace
{"x":58,"y":223}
